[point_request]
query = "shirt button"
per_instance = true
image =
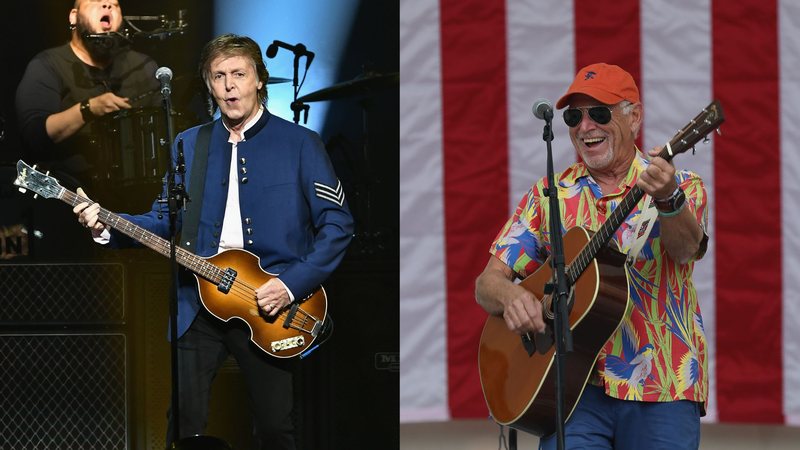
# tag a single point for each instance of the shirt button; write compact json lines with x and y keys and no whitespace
{"x":244,"y":161}
{"x":249,"y":231}
{"x":244,"y":180}
{"x":244,"y":170}
{"x":249,"y":242}
{"x":248,"y":220}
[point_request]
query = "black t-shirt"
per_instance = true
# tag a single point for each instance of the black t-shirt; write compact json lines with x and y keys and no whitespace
{"x":55,"y":80}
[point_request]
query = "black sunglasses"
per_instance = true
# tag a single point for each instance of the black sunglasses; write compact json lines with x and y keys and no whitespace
{"x":600,"y":114}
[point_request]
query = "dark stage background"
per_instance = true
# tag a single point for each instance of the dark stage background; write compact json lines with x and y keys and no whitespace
{"x":83,"y":330}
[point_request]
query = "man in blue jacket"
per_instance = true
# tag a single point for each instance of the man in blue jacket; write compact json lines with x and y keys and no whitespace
{"x":270,"y":189}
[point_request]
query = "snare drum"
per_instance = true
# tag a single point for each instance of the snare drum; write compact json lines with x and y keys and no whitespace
{"x":133,"y":146}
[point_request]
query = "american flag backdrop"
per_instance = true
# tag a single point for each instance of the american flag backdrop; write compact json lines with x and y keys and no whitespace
{"x":470,"y":148}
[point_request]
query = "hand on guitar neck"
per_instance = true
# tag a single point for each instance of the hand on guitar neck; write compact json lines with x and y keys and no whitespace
{"x":271,"y":296}
{"x":88,"y":215}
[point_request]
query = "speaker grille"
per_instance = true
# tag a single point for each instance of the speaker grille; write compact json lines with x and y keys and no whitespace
{"x":62,"y":293}
{"x":63,"y":391}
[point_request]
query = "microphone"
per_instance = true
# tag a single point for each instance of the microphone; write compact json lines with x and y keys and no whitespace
{"x":164,"y":75}
{"x":299,"y":50}
{"x":543,"y":109}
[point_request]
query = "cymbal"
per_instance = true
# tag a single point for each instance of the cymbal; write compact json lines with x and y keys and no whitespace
{"x":278,"y":80}
{"x":360,"y":86}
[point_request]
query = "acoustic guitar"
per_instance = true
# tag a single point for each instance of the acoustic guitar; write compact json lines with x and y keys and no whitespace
{"x":518,"y":372}
{"x":226,"y":281}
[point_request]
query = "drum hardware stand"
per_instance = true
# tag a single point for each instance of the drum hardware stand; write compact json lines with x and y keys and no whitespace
{"x":297,"y":107}
{"x":299,"y":51}
{"x":117,"y":39}
{"x":371,"y":241}
{"x":167,"y":28}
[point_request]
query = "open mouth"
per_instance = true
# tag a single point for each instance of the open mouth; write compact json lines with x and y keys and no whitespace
{"x":593,"y":141}
{"x":105,"y":21}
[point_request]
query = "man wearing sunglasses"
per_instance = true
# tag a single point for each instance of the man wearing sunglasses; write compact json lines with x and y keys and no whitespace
{"x":649,"y":384}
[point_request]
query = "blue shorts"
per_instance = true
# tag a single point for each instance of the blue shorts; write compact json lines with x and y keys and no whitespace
{"x":603,"y":422}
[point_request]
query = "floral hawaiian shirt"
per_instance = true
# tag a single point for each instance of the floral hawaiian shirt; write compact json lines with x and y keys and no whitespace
{"x":659,"y":353}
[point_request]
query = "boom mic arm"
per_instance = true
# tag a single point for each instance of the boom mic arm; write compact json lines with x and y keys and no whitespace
{"x":298,"y":50}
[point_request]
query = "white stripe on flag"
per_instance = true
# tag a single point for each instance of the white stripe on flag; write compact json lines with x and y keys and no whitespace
{"x":789,"y":11}
{"x":423,"y":353}
{"x":540,"y":65}
{"x":676,"y":84}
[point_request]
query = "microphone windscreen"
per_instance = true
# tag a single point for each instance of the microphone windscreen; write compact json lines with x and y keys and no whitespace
{"x":163,"y":72}
{"x":542,"y":106}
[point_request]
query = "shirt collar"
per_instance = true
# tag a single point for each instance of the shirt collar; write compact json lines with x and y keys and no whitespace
{"x":248,"y":125}
{"x":575,"y":173}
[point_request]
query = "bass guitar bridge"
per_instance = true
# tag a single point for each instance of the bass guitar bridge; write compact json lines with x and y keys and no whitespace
{"x":227,"y":280}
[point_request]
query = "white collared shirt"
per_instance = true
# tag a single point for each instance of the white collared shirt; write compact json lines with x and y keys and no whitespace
{"x":231,"y":235}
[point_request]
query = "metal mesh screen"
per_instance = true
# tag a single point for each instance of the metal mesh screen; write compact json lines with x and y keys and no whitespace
{"x":63,"y":391}
{"x":62,"y":293}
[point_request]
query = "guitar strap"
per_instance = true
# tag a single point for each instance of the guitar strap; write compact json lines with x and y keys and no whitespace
{"x":191,"y":219}
{"x":647,"y":219}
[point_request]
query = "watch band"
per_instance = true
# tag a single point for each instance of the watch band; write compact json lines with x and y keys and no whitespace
{"x":671,"y":205}
{"x":670,"y":198}
{"x":86,"y":111}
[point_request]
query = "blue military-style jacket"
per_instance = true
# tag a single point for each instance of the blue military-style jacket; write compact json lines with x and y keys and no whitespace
{"x":293,"y":210}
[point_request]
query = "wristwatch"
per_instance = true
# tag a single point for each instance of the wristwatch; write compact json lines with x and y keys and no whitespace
{"x":86,"y":111}
{"x":672,"y":204}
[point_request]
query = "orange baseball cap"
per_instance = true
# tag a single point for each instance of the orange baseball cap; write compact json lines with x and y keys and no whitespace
{"x":606,"y":83}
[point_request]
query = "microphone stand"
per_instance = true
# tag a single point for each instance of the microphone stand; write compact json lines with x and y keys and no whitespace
{"x":559,"y":289}
{"x":299,"y":50}
{"x":296,"y":106}
{"x":176,"y":194}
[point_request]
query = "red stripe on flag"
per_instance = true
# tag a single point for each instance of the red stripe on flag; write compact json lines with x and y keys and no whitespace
{"x":609,"y":31}
{"x":475,"y":141}
{"x":748,"y":242}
